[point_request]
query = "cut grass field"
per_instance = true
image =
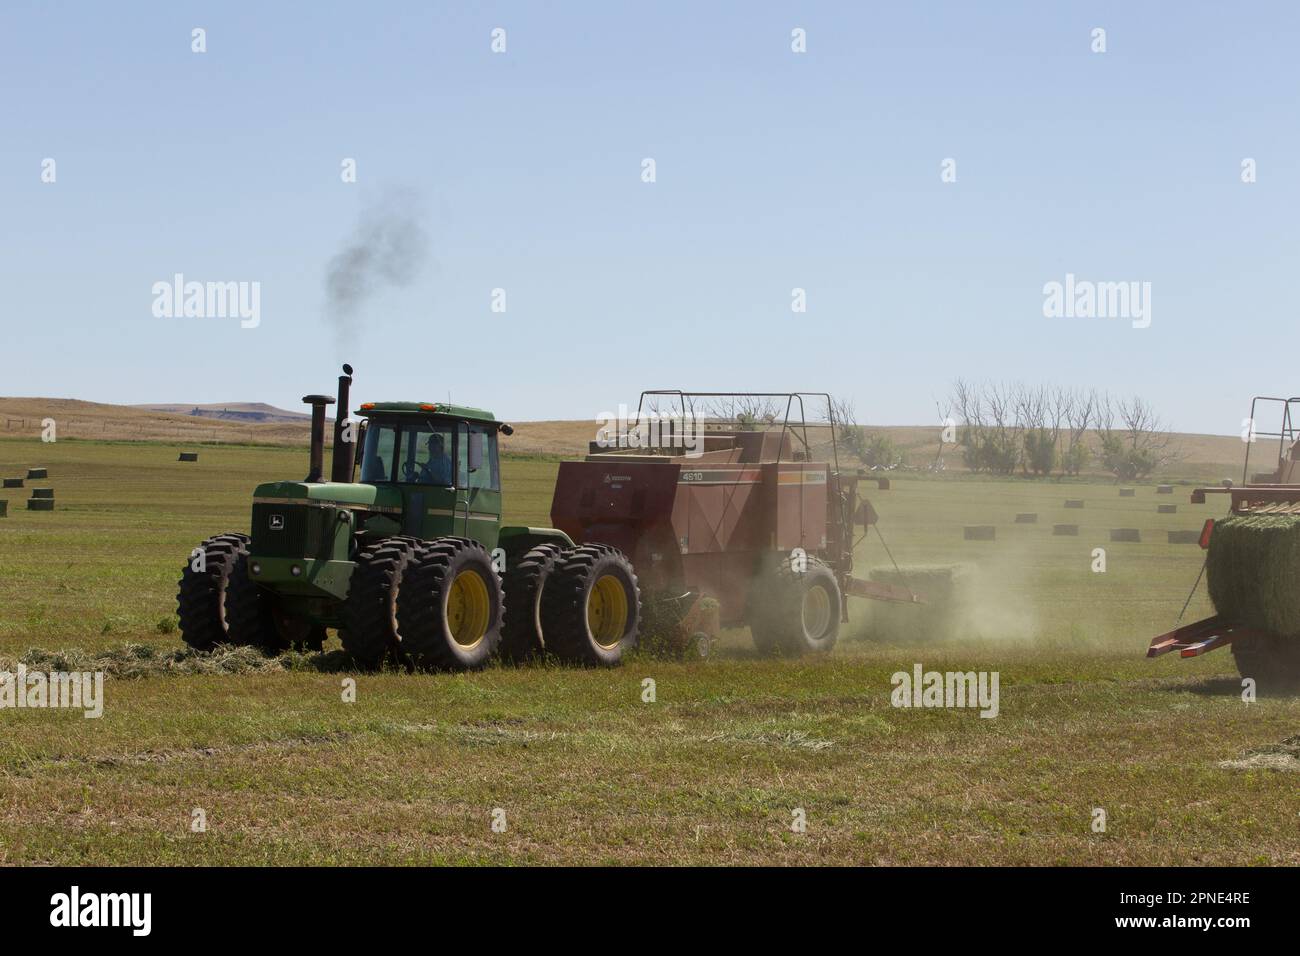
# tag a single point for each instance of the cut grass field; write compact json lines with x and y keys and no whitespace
{"x":585,"y":770}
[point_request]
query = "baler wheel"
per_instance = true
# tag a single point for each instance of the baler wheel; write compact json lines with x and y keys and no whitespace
{"x":795,"y":612}
{"x":220,"y":604}
{"x":451,"y":607}
{"x":591,"y":608}
{"x":1271,"y":660}
{"x":370,"y":623}
{"x":522,"y":637}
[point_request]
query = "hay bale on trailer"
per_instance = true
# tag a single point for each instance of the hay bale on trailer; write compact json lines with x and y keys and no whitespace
{"x":1065,"y":529}
{"x":946,"y":589}
{"x":1125,"y":534}
{"x":1251,"y":571}
{"x":979,"y":532}
{"x":1027,"y":517}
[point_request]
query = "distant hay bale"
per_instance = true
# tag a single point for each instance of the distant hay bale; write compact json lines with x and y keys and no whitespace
{"x":42,"y":492}
{"x":1251,"y":571}
{"x":13,"y":482}
{"x":40,"y":504}
{"x":1184,"y":537}
{"x":1074,"y":502}
{"x":943,"y":588}
{"x":1027,"y":517}
{"x":1128,"y":492}
{"x":189,"y":456}
{"x":1164,"y":489}
{"x":1167,"y":509}
{"x":4,"y":508}
{"x":38,"y":473}
{"x":882,"y":484}
{"x":980,"y":532}
{"x":1067,"y":529}
{"x":1125,"y":534}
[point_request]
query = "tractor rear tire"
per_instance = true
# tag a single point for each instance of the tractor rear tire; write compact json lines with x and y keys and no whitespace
{"x":220,"y":604}
{"x":369,"y":629}
{"x":522,"y":637}
{"x":795,"y":612}
{"x":451,"y":606}
{"x":1271,"y":660}
{"x":591,"y":608}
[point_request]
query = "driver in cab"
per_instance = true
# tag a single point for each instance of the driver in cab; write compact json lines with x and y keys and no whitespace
{"x":437,"y":470}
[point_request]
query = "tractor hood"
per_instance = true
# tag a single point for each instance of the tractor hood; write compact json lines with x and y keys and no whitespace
{"x":374,"y":497}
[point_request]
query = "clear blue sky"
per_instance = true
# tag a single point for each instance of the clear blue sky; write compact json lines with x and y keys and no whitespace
{"x":775,"y":170}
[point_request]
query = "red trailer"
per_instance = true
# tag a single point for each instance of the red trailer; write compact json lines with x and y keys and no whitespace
{"x":756,"y":514}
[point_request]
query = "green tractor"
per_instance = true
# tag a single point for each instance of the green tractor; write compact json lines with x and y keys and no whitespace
{"x":411,"y":564}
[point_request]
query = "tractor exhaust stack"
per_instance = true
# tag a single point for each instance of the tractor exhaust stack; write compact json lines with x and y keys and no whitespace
{"x":344,"y":447}
{"x":317,"y":403}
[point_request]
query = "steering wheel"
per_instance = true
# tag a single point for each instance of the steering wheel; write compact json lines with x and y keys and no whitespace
{"x":410,"y":471}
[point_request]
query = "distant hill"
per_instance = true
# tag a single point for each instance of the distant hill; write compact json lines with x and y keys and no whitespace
{"x":232,"y":412}
{"x":1205,"y":457}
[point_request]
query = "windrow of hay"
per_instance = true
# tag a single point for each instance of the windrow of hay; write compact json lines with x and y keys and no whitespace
{"x":143,"y":660}
{"x":1252,"y":570}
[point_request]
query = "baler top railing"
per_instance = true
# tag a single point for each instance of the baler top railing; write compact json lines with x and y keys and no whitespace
{"x":1286,"y":436}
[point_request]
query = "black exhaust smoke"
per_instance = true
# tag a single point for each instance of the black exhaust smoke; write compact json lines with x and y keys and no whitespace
{"x":317,"y":403}
{"x":344,"y":442}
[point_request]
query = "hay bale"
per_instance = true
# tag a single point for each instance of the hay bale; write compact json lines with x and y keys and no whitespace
{"x":40,"y":504}
{"x":882,"y":484}
{"x":4,"y":508}
{"x":1166,"y":509}
{"x":1128,"y":492}
{"x":1251,"y":571}
{"x":1164,"y":489}
{"x":1074,"y":502}
{"x":1184,"y":537}
{"x":42,"y":492}
{"x":188,"y":456}
{"x":1027,"y":517}
{"x":13,"y":482}
{"x":944,"y":589}
{"x":1125,"y":534}
{"x":980,"y":532}
{"x":1066,"y":529}
{"x":38,"y":473}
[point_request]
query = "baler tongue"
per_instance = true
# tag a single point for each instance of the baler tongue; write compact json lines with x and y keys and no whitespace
{"x":882,"y":591}
{"x":1193,"y":640}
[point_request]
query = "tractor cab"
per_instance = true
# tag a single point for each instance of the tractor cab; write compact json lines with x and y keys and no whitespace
{"x":437,"y":464}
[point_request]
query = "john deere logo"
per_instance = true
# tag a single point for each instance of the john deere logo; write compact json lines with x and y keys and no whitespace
{"x":277,"y":522}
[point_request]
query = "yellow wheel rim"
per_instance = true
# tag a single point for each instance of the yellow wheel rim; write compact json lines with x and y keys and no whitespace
{"x":816,"y":611}
{"x":468,"y":609}
{"x":607,"y":611}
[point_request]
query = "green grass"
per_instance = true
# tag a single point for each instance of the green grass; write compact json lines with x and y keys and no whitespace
{"x":585,"y":771}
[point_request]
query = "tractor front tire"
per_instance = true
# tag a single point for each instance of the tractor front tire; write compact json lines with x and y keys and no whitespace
{"x":369,"y":629}
{"x":451,"y":606}
{"x":795,"y":612}
{"x":591,"y":608}
{"x":218,"y":603}
{"x":522,"y":637}
{"x":1270,"y":660}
